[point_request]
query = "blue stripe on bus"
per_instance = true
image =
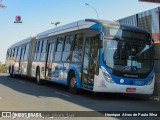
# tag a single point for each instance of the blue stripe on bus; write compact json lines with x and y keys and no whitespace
{"x":87,"y":86}
{"x":96,"y":26}
{"x":99,"y":27}
{"x":77,"y":70}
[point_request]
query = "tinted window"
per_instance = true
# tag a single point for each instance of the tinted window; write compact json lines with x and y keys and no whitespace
{"x":26,"y":52}
{"x":59,"y":44}
{"x":44,"y":46}
{"x":67,"y":54}
{"x":15,"y":55}
{"x":38,"y":50}
{"x":43,"y":53}
{"x":18,"y":55}
{"x":7,"y":54}
{"x":10,"y":53}
{"x":40,"y":46}
{"x":50,"y":52}
{"x":58,"y":53}
{"x":78,"y":47}
{"x":58,"y":56}
{"x":68,"y":43}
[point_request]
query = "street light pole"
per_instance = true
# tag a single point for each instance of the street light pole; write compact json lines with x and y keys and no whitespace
{"x":93,"y":9}
{"x":56,"y":23}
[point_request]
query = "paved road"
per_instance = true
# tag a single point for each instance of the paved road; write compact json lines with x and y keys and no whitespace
{"x":22,"y":94}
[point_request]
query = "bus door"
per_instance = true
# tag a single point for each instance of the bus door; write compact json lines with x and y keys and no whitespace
{"x":90,"y":63}
{"x":21,"y":60}
{"x":48,"y":68}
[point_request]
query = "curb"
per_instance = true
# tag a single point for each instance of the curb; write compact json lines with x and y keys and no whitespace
{"x":156,"y":98}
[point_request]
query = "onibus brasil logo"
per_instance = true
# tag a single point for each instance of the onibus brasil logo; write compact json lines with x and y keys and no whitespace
{"x":18,"y":19}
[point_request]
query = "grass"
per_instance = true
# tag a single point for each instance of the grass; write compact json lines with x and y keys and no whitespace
{"x":2,"y":68}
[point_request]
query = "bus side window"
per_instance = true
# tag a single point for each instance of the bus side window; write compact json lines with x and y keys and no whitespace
{"x":10,"y":53}
{"x":67,"y":53}
{"x":23,"y":54}
{"x":36,"y":50}
{"x":43,"y":52}
{"x":59,"y":48}
{"x":18,"y":55}
{"x":78,"y":47}
{"x":26,"y":52}
{"x":39,"y":50}
{"x":7,"y":54}
{"x":13,"y":51}
{"x":15,"y":54}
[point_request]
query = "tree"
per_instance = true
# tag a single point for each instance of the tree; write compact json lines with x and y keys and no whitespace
{"x":1,"y":5}
{"x":2,"y":68}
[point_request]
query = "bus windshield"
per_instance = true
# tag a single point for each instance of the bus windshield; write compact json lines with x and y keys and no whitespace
{"x":128,"y":56}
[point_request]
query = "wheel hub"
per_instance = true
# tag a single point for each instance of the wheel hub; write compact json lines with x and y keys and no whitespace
{"x":73,"y":82}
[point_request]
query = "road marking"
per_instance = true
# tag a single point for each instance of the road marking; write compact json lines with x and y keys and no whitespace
{"x":0,"y":98}
{"x":21,"y":82}
{"x":62,"y":94}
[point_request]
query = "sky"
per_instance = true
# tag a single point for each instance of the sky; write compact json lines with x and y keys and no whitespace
{"x":37,"y":15}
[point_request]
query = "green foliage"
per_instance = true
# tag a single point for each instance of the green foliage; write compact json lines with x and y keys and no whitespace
{"x":2,"y":68}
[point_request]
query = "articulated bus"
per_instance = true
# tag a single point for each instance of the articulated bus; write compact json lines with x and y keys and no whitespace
{"x":95,"y":55}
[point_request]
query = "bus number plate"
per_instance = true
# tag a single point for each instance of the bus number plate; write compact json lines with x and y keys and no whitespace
{"x":130,"y":89}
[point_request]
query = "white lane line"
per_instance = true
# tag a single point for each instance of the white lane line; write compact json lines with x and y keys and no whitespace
{"x":62,"y":94}
{"x":0,"y":98}
{"x":21,"y":82}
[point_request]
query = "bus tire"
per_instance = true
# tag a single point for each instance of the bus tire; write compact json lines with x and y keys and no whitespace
{"x":38,"y":79}
{"x":12,"y":72}
{"x":72,"y":83}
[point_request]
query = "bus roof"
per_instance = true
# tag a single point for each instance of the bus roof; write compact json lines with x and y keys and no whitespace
{"x":82,"y":24}
{"x":21,"y":42}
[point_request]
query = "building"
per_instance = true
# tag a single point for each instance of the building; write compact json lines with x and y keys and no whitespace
{"x":152,"y":1}
{"x":150,"y":21}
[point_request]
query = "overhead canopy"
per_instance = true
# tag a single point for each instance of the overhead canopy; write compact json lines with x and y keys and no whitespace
{"x":153,"y":1}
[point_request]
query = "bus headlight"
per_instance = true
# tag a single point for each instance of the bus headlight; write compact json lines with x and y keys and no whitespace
{"x":108,"y":77}
{"x":151,"y":79}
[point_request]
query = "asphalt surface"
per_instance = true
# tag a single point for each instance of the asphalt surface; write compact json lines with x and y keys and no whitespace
{"x":23,"y":94}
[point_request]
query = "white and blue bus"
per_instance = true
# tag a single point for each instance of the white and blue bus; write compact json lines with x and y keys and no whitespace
{"x":96,"y":55}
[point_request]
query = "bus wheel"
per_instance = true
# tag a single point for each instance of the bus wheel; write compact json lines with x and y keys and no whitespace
{"x":12,"y":73}
{"x":72,"y":84}
{"x":38,"y":79}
